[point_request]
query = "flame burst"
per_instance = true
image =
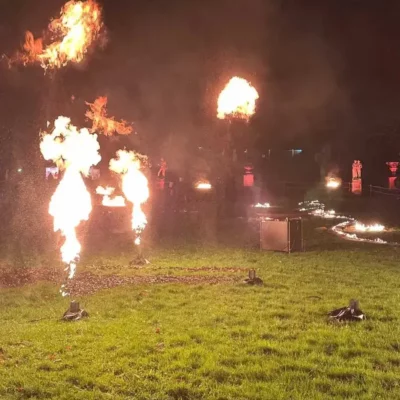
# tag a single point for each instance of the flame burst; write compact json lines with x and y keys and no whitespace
{"x":203,"y":186}
{"x":134,"y":185}
{"x":102,"y":123}
{"x":108,"y":201}
{"x":74,"y":151}
{"x":359,"y":227}
{"x":237,"y":100}
{"x":333,"y":183}
{"x":72,"y":34}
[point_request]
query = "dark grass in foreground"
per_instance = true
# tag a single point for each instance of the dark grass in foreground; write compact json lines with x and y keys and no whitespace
{"x":224,"y":341}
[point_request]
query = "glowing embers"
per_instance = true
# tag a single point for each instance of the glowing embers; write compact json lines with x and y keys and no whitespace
{"x":69,"y":36}
{"x":108,"y":201}
{"x":237,"y":100}
{"x":203,"y":185}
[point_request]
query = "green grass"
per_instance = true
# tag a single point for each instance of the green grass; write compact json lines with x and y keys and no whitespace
{"x":226,"y":341}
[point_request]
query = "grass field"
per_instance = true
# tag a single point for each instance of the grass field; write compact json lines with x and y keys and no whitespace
{"x":221,"y":341}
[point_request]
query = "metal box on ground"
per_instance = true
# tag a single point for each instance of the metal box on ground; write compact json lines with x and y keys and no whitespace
{"x":285,"y":235}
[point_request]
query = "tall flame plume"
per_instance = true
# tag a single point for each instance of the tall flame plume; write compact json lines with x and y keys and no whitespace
{"x":134,"y":186}
{"x":74,"y":151}
{"x":71,"y":35}
{"x":237,"y":100}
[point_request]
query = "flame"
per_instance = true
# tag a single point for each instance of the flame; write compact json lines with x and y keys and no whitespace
{"x":134,"y":186}
{"x":74,"y":151}
{"x":262,"y":205}
{"x":339,"y":229}
{"x":102,"y":123}
{"x":72,"y":34}
{"x":105,"y":191}
{"x":70,"y":204}
{"x":359,"y":227}
{"x":237,"y":99}
{"x":333,"y":183}
{"x":203,"y":186}
{"x":67,"y":146}
{"x":117,"y":201}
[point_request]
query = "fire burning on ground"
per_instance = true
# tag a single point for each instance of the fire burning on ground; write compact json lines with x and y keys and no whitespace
{"x":359,"y":227}
{"x":262,"y":205}
{"x":104,"y":124}
{"x":346,"y":229}
{"x":237,"y":99}
{"x":317,"y":209}
{"x":333,"y":183}
{"x":70,"y":36}
{"x":74,"y":151}
{"x":134,"y":186}
{"x":203,"y":186}
{"x":108,"y":201}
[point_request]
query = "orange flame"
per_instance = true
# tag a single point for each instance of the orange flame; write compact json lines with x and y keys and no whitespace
{"x":359,"y":227}
{"x":134,"y":185}
{"x":333,"y":182}
{"x":75,"y":151}
{"x":77,"y":28}
{"x":237,"y":99}
{"x":102,"y":123}
{"x":203,"y":186}
{"x":117,"y":201}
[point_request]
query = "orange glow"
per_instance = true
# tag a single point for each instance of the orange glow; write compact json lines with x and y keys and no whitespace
{"x":103,"y":124}
{"x":237,"y":100}
{"x":105,"y":191}
{"x":74,"y":151}
{"x":203,"y":186}
{"x":77,"y":28}
{"x":134,"y":186}
{"x":333,"y":183}
{"x":117,"y":201}
{"x":359,"y":227}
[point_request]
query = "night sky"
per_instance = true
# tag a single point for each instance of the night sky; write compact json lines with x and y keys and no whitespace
{"x":326,"y":71}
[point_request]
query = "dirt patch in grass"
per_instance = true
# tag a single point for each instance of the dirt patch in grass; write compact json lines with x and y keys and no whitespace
{"x":88,"y":283}
{"x":15,"y":277}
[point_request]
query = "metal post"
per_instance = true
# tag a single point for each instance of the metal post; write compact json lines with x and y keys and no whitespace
{"x":252,"y":274}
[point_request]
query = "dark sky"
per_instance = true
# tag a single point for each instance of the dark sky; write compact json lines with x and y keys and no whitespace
{"x":325,"y":70}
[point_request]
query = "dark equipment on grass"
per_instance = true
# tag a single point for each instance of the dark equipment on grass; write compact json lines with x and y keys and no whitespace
{"x":253,"y":279}
{"x":139,"y":260}
{"x":285,"y":235}
{"x":350,"y":313}
{"x":74,"y":312}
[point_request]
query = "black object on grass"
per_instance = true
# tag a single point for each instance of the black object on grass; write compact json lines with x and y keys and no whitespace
{"x":74,"y":312}
{"x":253,"y":279}
{"x":350,"y":313}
